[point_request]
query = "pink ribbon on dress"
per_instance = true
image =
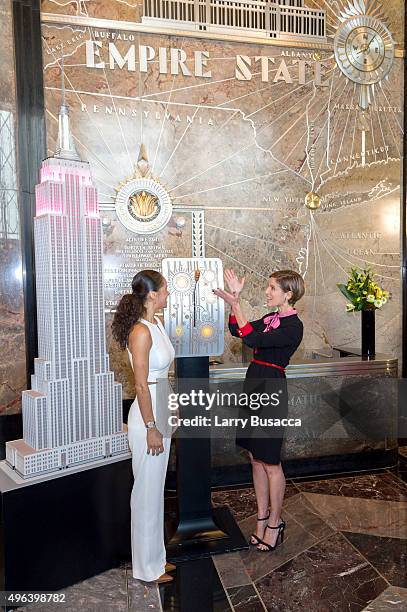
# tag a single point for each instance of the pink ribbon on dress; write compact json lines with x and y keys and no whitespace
{"x":273,"y":320}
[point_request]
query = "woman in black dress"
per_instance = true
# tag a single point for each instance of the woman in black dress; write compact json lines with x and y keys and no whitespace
{"x":274,"y":339}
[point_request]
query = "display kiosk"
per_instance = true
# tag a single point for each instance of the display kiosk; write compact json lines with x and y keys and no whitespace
{"x":194,"y":321}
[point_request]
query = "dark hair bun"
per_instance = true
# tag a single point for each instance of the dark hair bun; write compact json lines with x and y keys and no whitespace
{"x":140,"y":289}
{"x":132,"y":305}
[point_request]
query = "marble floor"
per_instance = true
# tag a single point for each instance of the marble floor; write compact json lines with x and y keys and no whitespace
{"x":345,"y":550}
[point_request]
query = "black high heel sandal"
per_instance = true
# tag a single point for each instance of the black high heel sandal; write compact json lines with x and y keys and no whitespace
{"x":257,"y":537}
{"x":280,"y":535}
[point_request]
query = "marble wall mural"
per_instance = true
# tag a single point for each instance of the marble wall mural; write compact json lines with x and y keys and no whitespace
{"x":240,"y":131}
{"x":12,"y":363}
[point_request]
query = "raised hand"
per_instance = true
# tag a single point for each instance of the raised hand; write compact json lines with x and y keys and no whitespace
{"x":229,"y":298}
{"x":234,"y":284}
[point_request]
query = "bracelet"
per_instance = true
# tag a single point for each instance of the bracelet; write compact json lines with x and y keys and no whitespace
{"x":151,"y":425}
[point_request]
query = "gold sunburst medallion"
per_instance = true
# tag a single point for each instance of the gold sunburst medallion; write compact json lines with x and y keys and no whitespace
{"x":143,"y":205}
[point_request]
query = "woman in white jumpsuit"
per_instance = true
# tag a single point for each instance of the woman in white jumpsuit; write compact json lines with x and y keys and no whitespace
{"x":151,"y":353}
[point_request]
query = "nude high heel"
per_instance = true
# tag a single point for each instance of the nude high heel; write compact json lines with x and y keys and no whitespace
{"x":164,"y":578}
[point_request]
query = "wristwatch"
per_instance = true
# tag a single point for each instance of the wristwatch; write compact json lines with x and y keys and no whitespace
{"x":150,"y":425}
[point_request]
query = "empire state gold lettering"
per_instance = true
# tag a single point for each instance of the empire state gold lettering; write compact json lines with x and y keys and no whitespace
{"x":176,"y":61}
{"x":247,"y":67}
{"x":169,"y":60}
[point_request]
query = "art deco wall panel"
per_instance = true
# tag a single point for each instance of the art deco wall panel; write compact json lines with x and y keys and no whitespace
{"x":270,"y":136}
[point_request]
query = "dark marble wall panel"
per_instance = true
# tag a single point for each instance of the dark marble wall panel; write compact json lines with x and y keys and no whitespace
{"x":12,"y":358}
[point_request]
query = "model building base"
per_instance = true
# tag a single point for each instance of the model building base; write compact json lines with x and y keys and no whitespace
{"x":58,"y":531}
{"x":29,"y":463}
{"x":19,"y":479}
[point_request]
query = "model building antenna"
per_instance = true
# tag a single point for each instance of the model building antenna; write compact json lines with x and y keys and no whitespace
{"x":65,"y":144}
{"x":62,"y":77}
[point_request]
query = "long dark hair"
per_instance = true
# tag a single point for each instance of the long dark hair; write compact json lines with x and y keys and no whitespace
{"x":132,"y":305}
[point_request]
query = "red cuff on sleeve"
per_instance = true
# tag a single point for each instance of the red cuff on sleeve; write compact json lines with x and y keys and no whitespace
{"x":246,"y":329}
{"x":232,"y":319}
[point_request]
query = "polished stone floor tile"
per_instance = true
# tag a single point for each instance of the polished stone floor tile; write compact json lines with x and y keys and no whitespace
{"x":142,"y":596}
{"x":393,"y":598}
{"x":64,"y":606}
{"x":387,"y":555}
{"x":196,"y":587}
{"x":107,"y":591}
{"x":245,"y":599}
{"x":383,"y":486}
{"x":231,"y":570}
{"x":297,"y":539}
{"x":354,"y":474}
{"x":290,"y":489}
{"x":376,"y":517}
{"x":242,"y":502}
{"x":316,"y":568}
{"x":304,"y":513}
{"x":328,"y":576}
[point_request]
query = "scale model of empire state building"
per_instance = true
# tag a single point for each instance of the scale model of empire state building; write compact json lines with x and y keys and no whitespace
{"x":73,"y":413}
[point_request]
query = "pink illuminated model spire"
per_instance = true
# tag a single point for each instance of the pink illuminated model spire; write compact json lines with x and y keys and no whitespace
{"x":73,"y":413}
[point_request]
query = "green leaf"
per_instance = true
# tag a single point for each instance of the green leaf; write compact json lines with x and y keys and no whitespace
{"x":349,"y":296}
